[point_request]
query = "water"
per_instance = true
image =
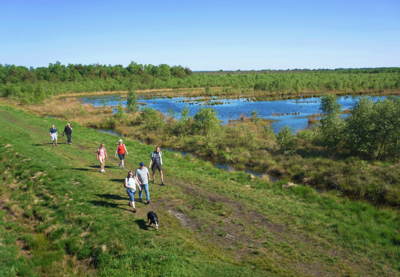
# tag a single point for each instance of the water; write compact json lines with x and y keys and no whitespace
{"x":233,"y":110}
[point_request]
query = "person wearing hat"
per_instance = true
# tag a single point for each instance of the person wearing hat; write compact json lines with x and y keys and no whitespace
{"x":121,"y":149}
{"x":142,"y":174}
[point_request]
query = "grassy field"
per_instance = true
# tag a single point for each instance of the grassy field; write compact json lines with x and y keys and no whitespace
{"x":61,"y":216}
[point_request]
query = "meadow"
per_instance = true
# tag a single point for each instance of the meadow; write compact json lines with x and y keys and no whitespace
{"x":60,"y":216}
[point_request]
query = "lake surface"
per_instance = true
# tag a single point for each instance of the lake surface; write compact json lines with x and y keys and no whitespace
{"x":233,"y":108}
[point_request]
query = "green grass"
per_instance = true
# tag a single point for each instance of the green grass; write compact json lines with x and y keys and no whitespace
{"x":71,"y":220}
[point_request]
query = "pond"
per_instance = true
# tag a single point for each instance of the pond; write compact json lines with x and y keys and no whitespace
{"x":234,"y":108}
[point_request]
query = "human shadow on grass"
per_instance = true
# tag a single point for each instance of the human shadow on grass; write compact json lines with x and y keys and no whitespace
{"x":98,"y":166}
{"x":99,"y":203}
{"x":112,"y":196}
{"x":117,"y":180}
{"x":42,"y":144}
{"x":82,"y":169}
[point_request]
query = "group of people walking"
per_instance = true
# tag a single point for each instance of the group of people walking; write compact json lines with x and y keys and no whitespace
{"x":139,"y":179}
{"x":54,"y":134}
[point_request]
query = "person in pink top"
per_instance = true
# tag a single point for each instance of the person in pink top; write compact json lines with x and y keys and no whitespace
{"x":102,"y":156}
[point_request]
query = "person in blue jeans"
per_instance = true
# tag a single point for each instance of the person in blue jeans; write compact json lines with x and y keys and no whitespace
{"x":142,"y":176}
{"x":130,"y":185}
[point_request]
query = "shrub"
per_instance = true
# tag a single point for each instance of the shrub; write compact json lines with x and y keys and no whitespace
{"x":151,"y":118}
{"x":132,"y":101}
{"x":285,"y":138}
{"x":120,"y":114}
{"x":329,"y":105}
{"x":206,"y":120}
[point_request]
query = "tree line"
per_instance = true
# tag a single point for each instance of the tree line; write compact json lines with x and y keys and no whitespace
{"x":34,"y":84}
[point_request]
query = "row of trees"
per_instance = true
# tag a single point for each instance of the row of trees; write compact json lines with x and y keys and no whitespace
{"x":61,"y":73}
{"x":22,"y":83}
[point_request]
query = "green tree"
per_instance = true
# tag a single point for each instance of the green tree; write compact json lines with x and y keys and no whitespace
{"x":285,"y":138}
{"x":132,"y":101}
{"x":39,"y":94}
{"x":329,"y":105}
{"x":151,"y":118}
{"x":206,"y":120}
{"x":255,"y":117}
{"x":120,"y":114}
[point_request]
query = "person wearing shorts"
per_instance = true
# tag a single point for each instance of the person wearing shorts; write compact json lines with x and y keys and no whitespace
{"x":142,"y":174}
{"x":130,"y":185}
{"x":121,"y":149}
{"x":102,"y":156}
{"x":156,"y":159}
{"x":53,"y":135}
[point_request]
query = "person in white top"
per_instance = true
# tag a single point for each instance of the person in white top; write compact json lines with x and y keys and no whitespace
{"x":130,"y":185}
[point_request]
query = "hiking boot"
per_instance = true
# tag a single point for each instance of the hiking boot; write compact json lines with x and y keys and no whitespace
{"x":163,"y":184}
{"x":154,"y":180}
{"x":134,"y":210}
{"x":148,"y":202}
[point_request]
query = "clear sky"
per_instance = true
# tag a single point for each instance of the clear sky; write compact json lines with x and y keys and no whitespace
{"x":203,"y":35}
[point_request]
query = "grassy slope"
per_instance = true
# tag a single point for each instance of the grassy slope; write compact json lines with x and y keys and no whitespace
{"x":73,"y":219}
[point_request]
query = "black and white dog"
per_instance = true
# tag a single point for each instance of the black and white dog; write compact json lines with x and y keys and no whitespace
{"x":152,"y":216}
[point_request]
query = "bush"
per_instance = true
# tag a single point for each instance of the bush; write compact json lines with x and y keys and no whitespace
{"x":374,"y":127}
{"x":285,"y":138}
{"x":332,"y":129}
{"x":151,"y":118}
{"x":120,"y":114}
{"x":132,"y":101}
{"x":206,"y":120}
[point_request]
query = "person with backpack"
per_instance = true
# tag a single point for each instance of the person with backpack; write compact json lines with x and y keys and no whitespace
{"x":68,"y":132}
{"x":130,"y":185}
{"x":121,"y":149}
{"x":156,"y":159}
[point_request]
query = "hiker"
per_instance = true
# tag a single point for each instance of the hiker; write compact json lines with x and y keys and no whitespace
{"x":142,"y":175}
{"x":130,"y":185}
{"x":156,"y":159}
{"x":121,"y":149}
{"x":53,"y":135}
{"x":102,"y":156}
{"x":68,"y":132}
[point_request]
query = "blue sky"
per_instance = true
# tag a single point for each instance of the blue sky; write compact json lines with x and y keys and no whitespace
{"x":203,"y":35}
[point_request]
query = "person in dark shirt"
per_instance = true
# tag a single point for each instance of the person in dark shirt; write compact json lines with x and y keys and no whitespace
{"x":53,"y":135}
{"x":68,"y":132}
{"x":156,"y":159}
